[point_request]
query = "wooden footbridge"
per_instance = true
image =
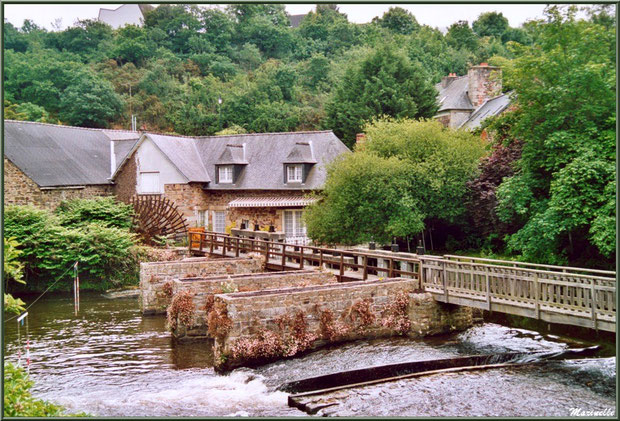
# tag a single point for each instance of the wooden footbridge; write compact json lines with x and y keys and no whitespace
{"x":555,"y":294}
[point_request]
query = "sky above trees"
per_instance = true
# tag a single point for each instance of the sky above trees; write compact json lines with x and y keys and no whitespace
{"x":435,"y":15}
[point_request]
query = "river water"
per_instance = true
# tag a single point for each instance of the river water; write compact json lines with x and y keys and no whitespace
{"x":110,"y":361}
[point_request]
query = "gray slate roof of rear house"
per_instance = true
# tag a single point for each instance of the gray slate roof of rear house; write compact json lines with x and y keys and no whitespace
{"x":265,"y":153}
{"x":58,"y":155}
{"x":454,"y":96}
{"x":489,"y":108}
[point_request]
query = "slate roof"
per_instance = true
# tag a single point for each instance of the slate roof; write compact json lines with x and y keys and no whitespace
{"x":265,"y":154}
{"x":54,"y":156}
{"x":454,"y":96}
{"x":301,"y":153}
{"x":489,"y":108}
{"x":233,"y":154}
{"x":184,"y":154}
{"x":296,"y":20}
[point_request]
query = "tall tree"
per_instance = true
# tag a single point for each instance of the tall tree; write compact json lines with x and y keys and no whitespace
{"x":566,"y":117}
{"x":490,"y":24}
{"x":460,"y":35}
{"x":398,"y":20}
{"x":384,"y":82}
{"x":406,"y":173}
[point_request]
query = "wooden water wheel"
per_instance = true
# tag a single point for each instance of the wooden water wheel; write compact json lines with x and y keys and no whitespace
{"x":156,"y":216}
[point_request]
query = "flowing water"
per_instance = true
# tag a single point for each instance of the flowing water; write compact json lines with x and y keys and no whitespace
{"x":110,"y":361}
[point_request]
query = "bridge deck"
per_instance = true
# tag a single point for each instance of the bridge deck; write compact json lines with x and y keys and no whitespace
{"x":556,"y":294}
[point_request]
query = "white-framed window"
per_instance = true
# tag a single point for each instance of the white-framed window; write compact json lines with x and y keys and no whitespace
{"x":294,"y":173}
{"x":293,"y":223}
{"x":203,"y":218}
{"x":225,"y":174}
{"x":219,"y":221}
{"x":149,"y":182}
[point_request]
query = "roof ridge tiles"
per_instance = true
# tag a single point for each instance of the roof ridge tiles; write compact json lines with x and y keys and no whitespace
{"x":69,"y":127}
{"x":168,"y":134}
{"x":263,"y":134}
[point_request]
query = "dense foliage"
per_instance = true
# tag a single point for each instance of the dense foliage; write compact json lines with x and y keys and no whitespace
{"x":13,"y":270}
{"x":92,"y":232}
{"x":563,"y":192}
{"x":270,"y":76}
{"x":406,"y":173}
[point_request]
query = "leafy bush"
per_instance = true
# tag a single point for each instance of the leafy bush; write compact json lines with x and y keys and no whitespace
{"x":18,"y":402}
{"x":104,"y":252}
{"x":104,"y":209}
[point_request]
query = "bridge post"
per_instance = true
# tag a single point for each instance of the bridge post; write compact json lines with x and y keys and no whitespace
{"x":211,"y":244}
{"x":536,"y":296}
{"x":444,"y":281}
{"x":593,"y":304}
{"x":488,"y":287}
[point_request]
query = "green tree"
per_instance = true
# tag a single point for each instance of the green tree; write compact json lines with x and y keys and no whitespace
{"x":327,"y":31}
{"x":565,"y":84}
{"x":90,"y":102}
{"x":174,"y":25}
{"x":398,"y":20}
{"x":406,"y":173}
{"x":384,"y":82}
{"x":460,"y":35}
{"x":490,"y":24}
{"x":365,"y":197}
{"x":14,"y":39}
{"x":13,"y":270}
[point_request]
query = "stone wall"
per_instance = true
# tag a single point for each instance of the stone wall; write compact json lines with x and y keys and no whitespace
{"x":256,"y":327}
{"x":155,"y":296}
{"x":202,"y":290}
{"x":126,"y":180}
{"x":191,"y":199}
{"x":19,"y":189}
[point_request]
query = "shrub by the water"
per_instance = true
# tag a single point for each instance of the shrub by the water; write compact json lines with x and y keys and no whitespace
{"x":106,"y":210}
{"x":51,"y":242}
{"x":18,"y":402}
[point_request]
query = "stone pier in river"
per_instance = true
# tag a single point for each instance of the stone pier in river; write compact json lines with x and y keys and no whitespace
{"x":156,"y":277}
{"x":255,"y":327}
{"x":251,"y":317}
{"x":193,"y":298}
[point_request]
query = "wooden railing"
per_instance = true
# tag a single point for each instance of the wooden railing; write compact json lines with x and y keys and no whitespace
{"x":576,"y":296}
{"x":350,"y":265}
{"x":557,"y":294}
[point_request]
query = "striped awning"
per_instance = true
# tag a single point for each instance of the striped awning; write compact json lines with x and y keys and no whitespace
{"x":270,"y":202}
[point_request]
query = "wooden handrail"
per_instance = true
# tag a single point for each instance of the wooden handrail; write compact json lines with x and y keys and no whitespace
{"x":301,"y":254}
{"x":512,"y":262}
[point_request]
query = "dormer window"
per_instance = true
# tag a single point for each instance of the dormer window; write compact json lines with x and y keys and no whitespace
{"x":225,"y":174}
{"x":299,"y":163}
{"x":294,"y":173}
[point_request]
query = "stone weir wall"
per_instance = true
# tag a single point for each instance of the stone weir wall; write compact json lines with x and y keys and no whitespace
{"x":193,"y":298}
{"x":256,"y":327}
{"x":156,"y":277}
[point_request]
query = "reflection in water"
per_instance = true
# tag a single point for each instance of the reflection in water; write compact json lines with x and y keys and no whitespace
{"x":111,"y":361}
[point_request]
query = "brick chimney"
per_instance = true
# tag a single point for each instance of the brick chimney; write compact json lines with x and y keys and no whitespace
{"x":484,"y":82}
{"x":446,"y":80}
